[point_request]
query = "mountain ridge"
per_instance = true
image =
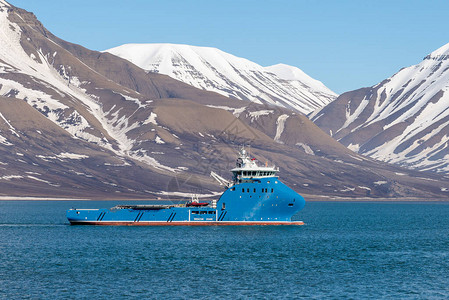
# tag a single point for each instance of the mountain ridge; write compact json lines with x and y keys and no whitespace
{"x":403,"y":119}
{"x":211,"y":69}
{"x":80,"y":123}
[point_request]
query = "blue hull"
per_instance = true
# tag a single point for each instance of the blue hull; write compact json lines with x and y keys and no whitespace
{"x":265,"y":201}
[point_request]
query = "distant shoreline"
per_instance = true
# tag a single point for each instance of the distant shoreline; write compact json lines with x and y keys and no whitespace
{"x":308,"y":199}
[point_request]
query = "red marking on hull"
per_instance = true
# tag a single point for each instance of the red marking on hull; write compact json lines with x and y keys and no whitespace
{"x":222,"y":223}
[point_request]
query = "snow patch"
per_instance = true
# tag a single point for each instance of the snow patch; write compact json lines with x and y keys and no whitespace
{"x":254,"y":115}
{"x":72,"y":156}
{"x":189,"y":195}
{"x":9,"y":177}
{"x":380,"y":182}
{"x":4,"y":141}
{"x":62,"y":156}
{"x":306,"y":148}
{"x":151,"y":119}
{"x":280,"y":122}
{"x":364,"y":188}
{"x":158,"y":140}
{"x":11,"y":128}
{"x":42,"y":180}
{"x":354,"y":148}
{"x":348,"y":189}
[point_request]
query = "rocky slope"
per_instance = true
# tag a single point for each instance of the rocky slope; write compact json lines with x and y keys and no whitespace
{"x":81,"y":123}
{"x":403,"y":120}
{"x":214,"y":70}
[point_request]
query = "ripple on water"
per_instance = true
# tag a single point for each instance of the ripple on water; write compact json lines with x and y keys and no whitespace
{"x":346,"y":250}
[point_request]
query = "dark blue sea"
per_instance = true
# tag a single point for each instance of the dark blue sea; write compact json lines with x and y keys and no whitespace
{"x":345,"y":251}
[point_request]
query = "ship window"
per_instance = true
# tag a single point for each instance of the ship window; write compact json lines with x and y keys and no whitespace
{"x":253,"y":173}
{"x":272,"y":190}
{"x":290,"y":204}
{"x":195,"y":212}
{"x":254,"y":190}
{"x":243,"y":190}
{"x":203,"y":212}
{"x":233,"y":189}
{"x":223,"y":206}
{"x":212,"y":212}
{"x":245,"y":173}
{"x":247,"y":190}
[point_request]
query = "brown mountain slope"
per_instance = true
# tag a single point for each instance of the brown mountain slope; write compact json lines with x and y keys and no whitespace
{"x":403,"y":119}
{"x":109,"y":129}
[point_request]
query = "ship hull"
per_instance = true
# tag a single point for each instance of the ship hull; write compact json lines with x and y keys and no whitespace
{"x":263,"y":202}
{"x":187,"y":223}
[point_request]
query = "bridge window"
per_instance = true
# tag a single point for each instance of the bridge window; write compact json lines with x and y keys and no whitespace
{"x":203,"y":212}
{"x":195,"y":212}
{"x":245,"y":173}
{"x":212,"y":212}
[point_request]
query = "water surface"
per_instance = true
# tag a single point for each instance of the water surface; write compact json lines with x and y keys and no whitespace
{"x":345,"y":250}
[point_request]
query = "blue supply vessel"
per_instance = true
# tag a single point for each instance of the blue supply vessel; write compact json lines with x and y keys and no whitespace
{"x":255,"y":197}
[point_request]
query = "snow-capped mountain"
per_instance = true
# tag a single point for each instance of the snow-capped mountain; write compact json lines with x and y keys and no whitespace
{"x":80,"y":123}
{"x":214,"y":70}
{"x":404,"y":119}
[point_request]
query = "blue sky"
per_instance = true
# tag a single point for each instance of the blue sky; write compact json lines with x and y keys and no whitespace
{"x":345,"y":44}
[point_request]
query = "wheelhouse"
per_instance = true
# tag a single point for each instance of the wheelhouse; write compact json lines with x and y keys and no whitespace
{"x":247,"y":168}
